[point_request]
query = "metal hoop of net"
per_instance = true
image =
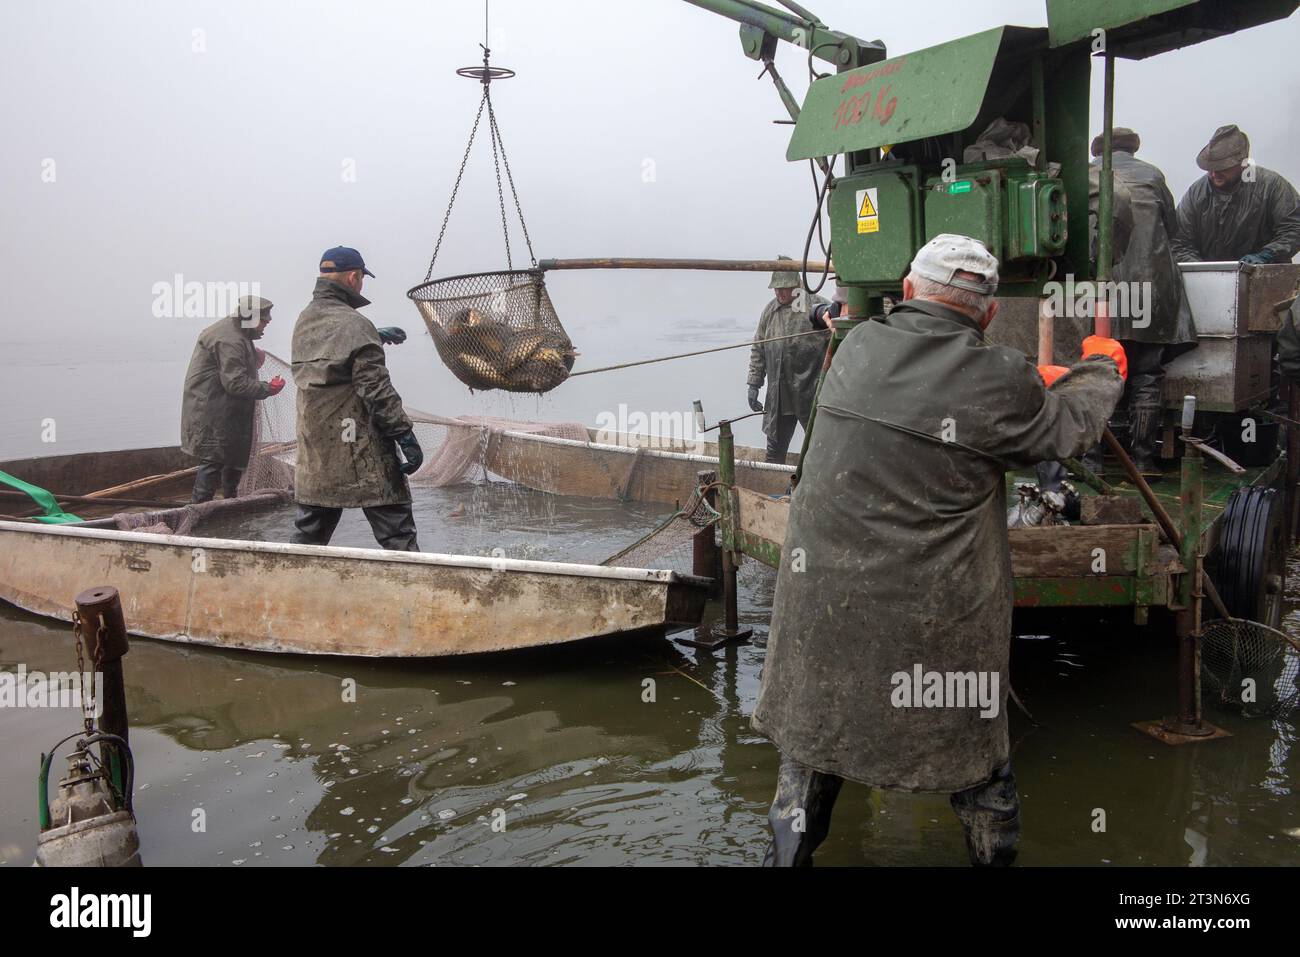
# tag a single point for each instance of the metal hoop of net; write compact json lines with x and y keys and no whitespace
{"x":1250,"y":668}
{"x":497,"y":330}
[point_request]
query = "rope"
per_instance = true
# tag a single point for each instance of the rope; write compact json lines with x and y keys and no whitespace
{"x":687,"y":355}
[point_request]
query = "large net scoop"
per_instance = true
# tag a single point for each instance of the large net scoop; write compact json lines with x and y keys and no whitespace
{"x":1250,"y":668}
{"x":497,"y":330}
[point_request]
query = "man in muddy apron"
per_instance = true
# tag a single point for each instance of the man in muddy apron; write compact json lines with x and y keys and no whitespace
{"x":790,"y":366}
{"x":891,"y":624}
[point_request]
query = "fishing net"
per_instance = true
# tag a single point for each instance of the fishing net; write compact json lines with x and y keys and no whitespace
{"x":1250,"y":668}
{"x":456,"y":449}
{"x":497,"y":330}
{"x":672,"y":543}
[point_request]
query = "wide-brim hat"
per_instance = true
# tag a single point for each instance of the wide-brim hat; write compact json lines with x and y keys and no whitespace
{"x":1228,"y":147}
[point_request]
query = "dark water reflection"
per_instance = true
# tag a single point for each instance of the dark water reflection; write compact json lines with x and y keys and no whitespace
{"x":554,"y":757}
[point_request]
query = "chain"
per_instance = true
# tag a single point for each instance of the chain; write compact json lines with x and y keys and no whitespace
{"x":87,"y":694}
{"x":456,"y":188}
{"x":492,"y":118}
{"x":501,"y":199}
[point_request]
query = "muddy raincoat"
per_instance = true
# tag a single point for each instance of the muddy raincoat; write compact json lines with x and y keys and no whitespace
{"x":349,"y":414}
{"x":903,"y":557}
{"x":791,"y":366}
{"x":1149,"y":257}
{"x":1216,"y":226}
{"x":221,"y":387}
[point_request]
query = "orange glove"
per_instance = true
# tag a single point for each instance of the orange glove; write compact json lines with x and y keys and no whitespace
{"x":275,"y":385}
{"x":1110,"y":348}
{"x":1051,"y":373}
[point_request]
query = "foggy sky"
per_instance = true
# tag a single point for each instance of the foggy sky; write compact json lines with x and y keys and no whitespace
{"x":226,"y":164}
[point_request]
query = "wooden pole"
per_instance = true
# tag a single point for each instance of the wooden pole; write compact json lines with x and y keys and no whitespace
{"x":714,"y":265}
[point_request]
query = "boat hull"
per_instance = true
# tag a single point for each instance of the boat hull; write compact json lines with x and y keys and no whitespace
{"x":323,"y":600}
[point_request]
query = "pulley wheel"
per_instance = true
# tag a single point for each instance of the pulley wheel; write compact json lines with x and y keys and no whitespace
{"x":1252,"y":555}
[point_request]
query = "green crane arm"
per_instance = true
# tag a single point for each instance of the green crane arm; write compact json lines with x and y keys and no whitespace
{"x":762,"y":26}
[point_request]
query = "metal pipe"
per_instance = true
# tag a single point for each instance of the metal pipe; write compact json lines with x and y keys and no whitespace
{"x":1162,"y":517}
{"x":715,"y":265}
{"x":727,"y":478}
{"x":1105,"y":201}
{"x":1191,"y":495}
{"x":1046,"y":332}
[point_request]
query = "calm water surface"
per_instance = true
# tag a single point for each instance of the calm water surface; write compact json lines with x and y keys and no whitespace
{"x":560,"y":746}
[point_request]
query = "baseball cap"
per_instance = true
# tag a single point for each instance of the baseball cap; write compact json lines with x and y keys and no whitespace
{"x":943,"y":257}
{"x":343,"y":259}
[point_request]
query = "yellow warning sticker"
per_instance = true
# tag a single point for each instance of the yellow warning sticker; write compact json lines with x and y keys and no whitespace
{"x":868,"y":211}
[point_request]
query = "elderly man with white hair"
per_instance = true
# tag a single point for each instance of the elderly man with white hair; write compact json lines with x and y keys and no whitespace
{"x":891,"y":624}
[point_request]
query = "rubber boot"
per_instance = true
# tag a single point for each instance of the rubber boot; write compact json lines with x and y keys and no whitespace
{"x":990,"y":816}
{"x":800,"y":817}
{"x":1146,"y":423}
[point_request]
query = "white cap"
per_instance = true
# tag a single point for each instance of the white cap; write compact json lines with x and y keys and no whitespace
{"x":943,"y":257}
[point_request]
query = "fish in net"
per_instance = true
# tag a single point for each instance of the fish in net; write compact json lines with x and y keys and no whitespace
{"x":1250,"y":668}
{"x":497,"y":330}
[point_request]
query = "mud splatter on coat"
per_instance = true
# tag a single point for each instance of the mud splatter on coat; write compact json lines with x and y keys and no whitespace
{"x":339,"y":371}
{"x":1148,"y":257}
{"x":903,"y":536}
{"x":1224,"y":225}
{"x":221,"y":387}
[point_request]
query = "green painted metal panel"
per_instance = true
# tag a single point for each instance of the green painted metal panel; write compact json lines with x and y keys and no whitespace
{"x":971,"y":206}
{"x":1141,"y":28}
{"x":933,"y":91}
{"x":874,"y":228}
{"x":1070,"y":20}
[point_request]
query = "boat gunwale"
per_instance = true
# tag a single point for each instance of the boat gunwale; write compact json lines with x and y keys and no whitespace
{"x":435,"y":559}
{"x":656,"y":453}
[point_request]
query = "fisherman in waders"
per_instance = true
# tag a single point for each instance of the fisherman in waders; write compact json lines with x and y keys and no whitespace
{"x":1237,"y":211}
{"x":1152,"y":319}
{"x":221,"y":387}
{"x":896,"y":565}
{"x":790,"y":366}
{"x":350,"y":418}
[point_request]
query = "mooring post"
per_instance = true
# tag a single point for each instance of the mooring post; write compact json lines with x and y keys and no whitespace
{"x":104,"y":632}
{"x":707,"y":557}
{"x":729,"y":630}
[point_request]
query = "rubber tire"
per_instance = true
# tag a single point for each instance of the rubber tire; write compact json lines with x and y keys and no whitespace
{"x":1252,"y":555}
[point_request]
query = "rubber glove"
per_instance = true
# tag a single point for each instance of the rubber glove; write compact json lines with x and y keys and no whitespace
{"x":392,"y":336}
{"x":275,"y":385}
{"x":1110,"y":348}
{"x":412,"y":452}
{"x":754,"y":404}
{"x":1051,"y":373}
{"x":1261,"y":258}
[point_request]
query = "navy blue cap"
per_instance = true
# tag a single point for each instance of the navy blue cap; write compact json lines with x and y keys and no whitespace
{"x":343,"y":259}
